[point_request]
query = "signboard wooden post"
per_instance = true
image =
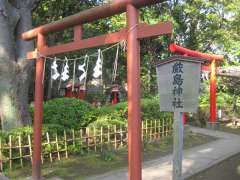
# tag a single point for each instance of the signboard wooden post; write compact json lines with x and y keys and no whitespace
{"x":178,"y":85}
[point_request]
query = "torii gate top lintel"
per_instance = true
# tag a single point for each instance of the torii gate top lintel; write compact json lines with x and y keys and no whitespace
{"x":87,"y":16}
{"x":78,"y":20}
{"x":175,"y":48}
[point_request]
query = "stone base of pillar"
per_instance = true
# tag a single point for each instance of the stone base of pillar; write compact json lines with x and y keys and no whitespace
{"x":214,"y":126}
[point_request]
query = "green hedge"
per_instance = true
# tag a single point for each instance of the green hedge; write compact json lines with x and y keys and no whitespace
{"x":28,"y":130}
{"x":68,"y":113}
{"x":117,"y":115}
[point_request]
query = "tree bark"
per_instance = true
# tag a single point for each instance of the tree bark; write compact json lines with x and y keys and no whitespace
{"x":25,"y":66}
{"x":14,"y":69}
{"x":8,"y":99}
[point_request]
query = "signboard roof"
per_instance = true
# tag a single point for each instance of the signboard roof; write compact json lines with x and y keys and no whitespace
{"x":182,"y":58}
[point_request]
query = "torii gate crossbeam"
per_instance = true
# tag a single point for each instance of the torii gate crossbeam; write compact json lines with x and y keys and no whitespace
{"x":133,"y":33}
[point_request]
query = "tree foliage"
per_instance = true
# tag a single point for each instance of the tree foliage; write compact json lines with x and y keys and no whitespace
{"x":210,"y":26}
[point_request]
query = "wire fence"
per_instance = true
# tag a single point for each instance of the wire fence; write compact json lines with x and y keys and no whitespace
{"x":16,"y":151}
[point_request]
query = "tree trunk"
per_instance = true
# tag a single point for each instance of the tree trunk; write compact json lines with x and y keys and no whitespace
{"x":8,"y":99}
{"x":14,"y":69}
{"x":25,"y":66}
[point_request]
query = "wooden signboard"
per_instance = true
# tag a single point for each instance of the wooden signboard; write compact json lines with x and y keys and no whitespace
{"x":178,"y":85}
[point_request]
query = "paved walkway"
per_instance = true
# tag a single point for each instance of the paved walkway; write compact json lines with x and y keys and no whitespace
{"x":195,"y":159}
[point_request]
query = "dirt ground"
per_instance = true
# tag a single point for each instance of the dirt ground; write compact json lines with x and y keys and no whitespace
{"x":226,"y":170}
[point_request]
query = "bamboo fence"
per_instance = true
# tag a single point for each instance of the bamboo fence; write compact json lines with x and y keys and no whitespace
{"x":16,"y":152}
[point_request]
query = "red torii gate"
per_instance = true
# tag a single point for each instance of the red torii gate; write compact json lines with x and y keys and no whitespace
{"x":133,"y":33}
{"x":212,"y":58}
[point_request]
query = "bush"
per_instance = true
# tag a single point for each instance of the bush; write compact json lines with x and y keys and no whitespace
{"x":28,"y":130}
{"x":117,"y":115}
{"x":68,"y":113}
{"x":111,"y":115}
{"x":151,"y":110}
{"x":74,"y":113}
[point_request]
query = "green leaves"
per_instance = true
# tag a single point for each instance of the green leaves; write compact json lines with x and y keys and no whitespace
{"x":68,"y":113}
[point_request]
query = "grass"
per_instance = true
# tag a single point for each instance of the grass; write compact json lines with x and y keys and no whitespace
{"x":79,"y":167}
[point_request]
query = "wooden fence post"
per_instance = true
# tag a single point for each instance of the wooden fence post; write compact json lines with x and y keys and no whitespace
{"x":115,"y":137}
{"x":49,"y":146}
{"x":20,"y":149}
{"x":1,"y":156}
{"x":163,"y":128}
{"x":126,"y":130}
{"x":101,"y":140}
{"x":88,"y":139}
{"x":121,"y":136}
{"x":42,"y":155}
{"x":81,"y":136}
{"x":151,"y":128}
{"x":58,"y":153}
{"x":166,"y":128}
{"x":30,"y":146}
{"x":10,"y":152}
{"x":155,"y":129}
{"x":108,"y":134}
{"x":94,"y":139}
{"x":73,"y":137}
{"x":65,"y":143}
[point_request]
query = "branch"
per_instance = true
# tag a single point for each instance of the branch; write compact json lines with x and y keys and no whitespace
{"x":35,"y":4}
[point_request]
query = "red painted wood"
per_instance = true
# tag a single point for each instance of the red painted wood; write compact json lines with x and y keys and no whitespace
{"x":82,"y":94}
{"x":78,"y":32}
{"x":184,"y":118}
{"x":133,"y":79}
{"x":205,"y":68}
{"x":87,"y":16}
{"x":38,"y":113}
{"x":115,"y":98}
{"x":213,"y":92}
{"x":162,"y":28}
{"x":143,"y":31}
{"x":175,"y":48}
{"x":68,"y":93}
{"x":78,"y":93}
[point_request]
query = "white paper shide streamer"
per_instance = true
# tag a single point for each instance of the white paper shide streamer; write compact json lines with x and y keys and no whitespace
{"x":65,"y":73}
{"x":55,"y":73}
{"x":81,"y":68}
{"x":205,"y":75}
{"x":98,"y":68}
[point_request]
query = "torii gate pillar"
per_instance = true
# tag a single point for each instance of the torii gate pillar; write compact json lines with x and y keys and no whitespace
{"x":133,"y":79}
{"x":212,"y":59}
{"x":213,"y":79}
